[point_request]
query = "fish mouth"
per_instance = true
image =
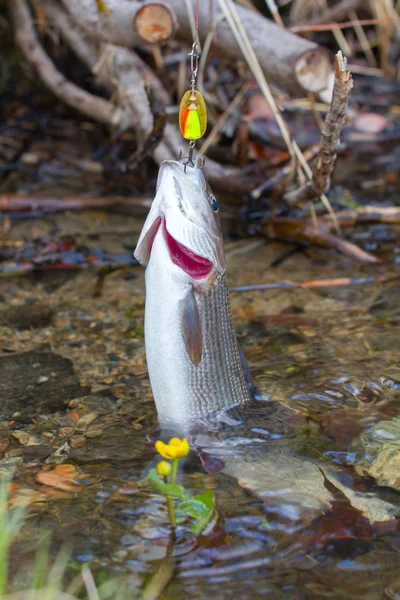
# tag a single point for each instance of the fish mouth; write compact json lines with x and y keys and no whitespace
{"x":194,"y":265}
{"x":197,"y":267}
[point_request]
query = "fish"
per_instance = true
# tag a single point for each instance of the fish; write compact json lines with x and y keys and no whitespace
{"x":193,"y":358}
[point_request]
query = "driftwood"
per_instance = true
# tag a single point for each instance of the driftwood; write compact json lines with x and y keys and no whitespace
{"x":123,"y":22}
{"x":315,"y":283}
{"x":305,"y":232}
{"x":321,"y":179}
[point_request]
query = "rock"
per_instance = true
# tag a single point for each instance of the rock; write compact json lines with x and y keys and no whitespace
{"x":377,"y":453}
{"x":27,"y":317}
{"x":21,"y":391}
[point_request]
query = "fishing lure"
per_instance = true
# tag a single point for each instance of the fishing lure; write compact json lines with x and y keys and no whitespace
{"x":192,"y":110}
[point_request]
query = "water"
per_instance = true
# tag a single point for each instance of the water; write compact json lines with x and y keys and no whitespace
{"x":328,"y":361}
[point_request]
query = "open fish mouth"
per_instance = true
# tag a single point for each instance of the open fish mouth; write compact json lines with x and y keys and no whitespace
{"x":194,"y":265}
{"x":191,"y":263}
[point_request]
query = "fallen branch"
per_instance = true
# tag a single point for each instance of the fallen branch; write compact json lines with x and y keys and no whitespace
{"x":14,"y":203}
{"x":68,"y":92}
{"x":367,"y":215}
{"x":321,"y":178}
{"x":124,"y":22}
{"x":315,"y":283}
{"x":117,"y":66}
{"x":305,"y":232}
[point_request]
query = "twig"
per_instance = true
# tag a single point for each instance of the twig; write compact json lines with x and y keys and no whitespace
{"x":334,"y":121}
{"x":367,"y":215}
{"x":314,"y":283}
{"x":362,"y":38}
{"x":236,"y":102}
{"x":68,"y":92}
{"x":335,"y":13}
{"x":281,"y":174}
{"x":68,"y":30}
{"x":275,"y":12}
{"x":343,"y":25}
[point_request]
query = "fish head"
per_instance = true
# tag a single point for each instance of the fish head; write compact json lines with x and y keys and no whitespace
{"x":187,"y":212}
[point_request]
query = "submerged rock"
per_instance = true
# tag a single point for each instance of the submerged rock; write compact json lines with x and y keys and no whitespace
{"x":377,"y":453}
{"x":27,"y":317}
{"x":36,"y":382}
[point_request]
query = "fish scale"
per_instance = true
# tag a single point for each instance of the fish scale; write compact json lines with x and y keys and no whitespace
{"x":218,"y":381}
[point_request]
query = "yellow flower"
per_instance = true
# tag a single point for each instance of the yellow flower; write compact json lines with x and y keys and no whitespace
{"x":175,"y":448}
{"x":164,"y":468}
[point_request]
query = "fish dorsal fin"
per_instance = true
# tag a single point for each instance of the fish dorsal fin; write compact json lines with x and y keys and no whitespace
{"x":191,"y":328}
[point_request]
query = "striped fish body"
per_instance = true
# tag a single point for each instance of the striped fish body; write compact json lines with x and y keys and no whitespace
{"x":191,"y":347}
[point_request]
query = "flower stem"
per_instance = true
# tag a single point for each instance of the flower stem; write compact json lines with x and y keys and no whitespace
{"x":171,"y":512}
{"x":174,"y":469}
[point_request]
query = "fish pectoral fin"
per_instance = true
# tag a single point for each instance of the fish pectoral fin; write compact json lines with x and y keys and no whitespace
{"x":191,"y":328}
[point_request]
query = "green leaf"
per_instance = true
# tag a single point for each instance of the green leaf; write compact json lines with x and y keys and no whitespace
{"x":207,"y":498}
{"x":200,"y":508}
{"x":168,"y":489}
{"x":194,"y":508}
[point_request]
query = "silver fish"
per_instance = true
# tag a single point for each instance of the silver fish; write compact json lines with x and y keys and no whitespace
{"x":191,"y":348}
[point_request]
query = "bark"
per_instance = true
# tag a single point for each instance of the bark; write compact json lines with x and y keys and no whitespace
{"x":321,"y":179}
{"x":117,"y":65}
{"x":124,"y":22}
{"x":286,"y":59}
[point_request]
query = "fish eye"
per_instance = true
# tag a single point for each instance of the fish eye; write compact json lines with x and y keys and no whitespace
{"x":214,"y":203}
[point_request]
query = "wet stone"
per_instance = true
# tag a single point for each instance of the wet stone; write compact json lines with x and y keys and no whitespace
{"x":21,"y":391}
{"x":387,"y":305}
{"x":24,"y":316}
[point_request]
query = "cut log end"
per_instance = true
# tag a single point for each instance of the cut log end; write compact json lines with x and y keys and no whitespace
{"x":314,"y":70}
{"x":155,"y":23}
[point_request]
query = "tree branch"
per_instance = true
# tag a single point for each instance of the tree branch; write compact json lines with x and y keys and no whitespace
{"x":68,"y":92}
{"x":330,"y":139}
